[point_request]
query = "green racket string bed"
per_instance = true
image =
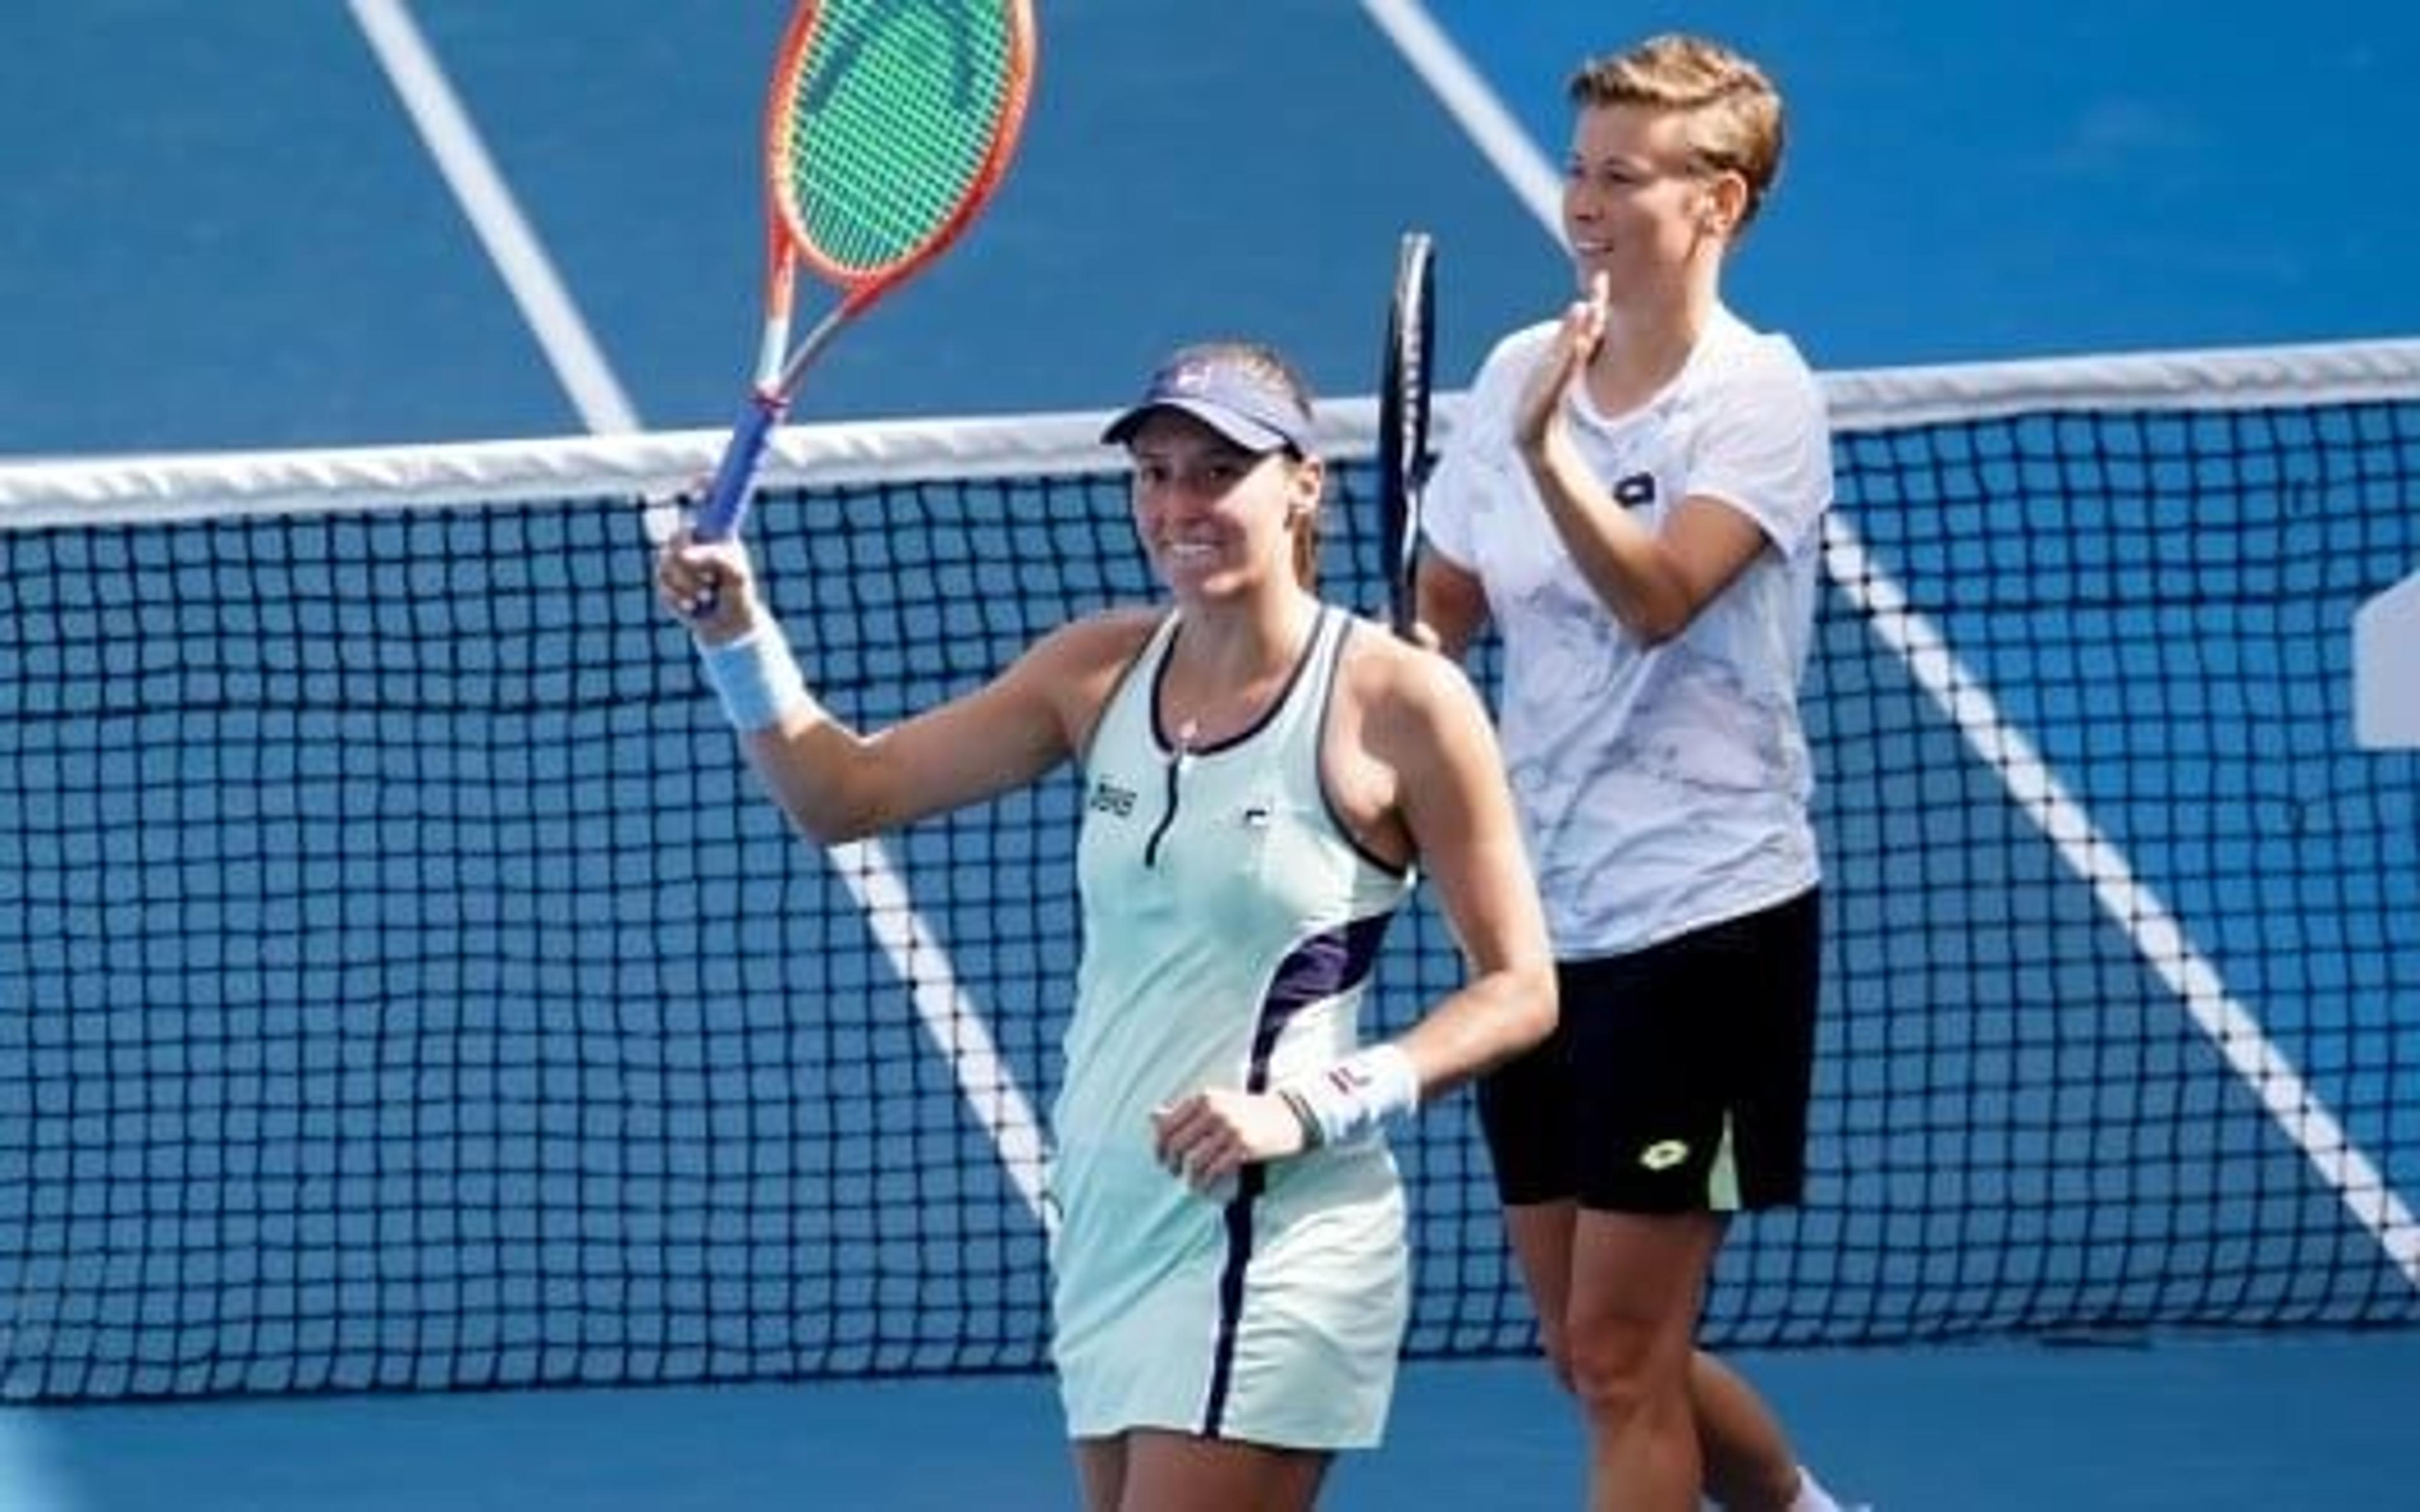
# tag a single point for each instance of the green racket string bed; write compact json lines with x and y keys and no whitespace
{"x":401,"y":987}
{"x":889,"y":126}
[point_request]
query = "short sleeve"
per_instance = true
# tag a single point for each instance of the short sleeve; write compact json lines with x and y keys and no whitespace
{"x":1477,"y":455}
{"x":1765,"y":445}
{"x":1447,"y":507}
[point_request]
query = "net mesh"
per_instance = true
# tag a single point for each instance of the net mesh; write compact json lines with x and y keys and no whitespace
{"x":402,"y":984}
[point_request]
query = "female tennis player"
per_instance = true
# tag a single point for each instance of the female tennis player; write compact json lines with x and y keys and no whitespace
{"x":1260,"y":773}
{"x":1635,"y":498}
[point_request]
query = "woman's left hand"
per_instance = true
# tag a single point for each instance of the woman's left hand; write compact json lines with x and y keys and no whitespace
{"x":1207,"y":1137}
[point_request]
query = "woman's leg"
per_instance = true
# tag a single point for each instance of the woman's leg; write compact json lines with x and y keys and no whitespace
{"x":1541,"y":1236}
{"x":1749,"y":1465}
{"x":1637,"y":1284}
{"x":1101,"y":1472}
{"x":1747,"y":1462}
{"x":1165,"y":1472}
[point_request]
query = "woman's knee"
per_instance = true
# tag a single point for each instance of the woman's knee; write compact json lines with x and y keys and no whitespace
{"x":1622,"y":1368}
{"x":1556,"y":1343}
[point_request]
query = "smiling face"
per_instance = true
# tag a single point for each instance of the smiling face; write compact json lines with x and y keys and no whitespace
{"x":1637,"y":206}
{"x":1217,"y":519}
{"x":1675,"y":145}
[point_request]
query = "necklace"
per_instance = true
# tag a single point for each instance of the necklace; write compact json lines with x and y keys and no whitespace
{"x":1225,"y":714}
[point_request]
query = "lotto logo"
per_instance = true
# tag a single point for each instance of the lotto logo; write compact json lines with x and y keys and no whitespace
{"x":1663,"y":1154}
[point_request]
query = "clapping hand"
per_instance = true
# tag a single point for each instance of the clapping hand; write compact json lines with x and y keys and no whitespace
{"x":1559,"y":366}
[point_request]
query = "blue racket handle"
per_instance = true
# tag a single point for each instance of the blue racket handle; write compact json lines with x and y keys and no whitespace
{"x":727,"y":502}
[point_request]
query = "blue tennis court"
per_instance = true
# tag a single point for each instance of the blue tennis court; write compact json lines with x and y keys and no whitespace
{"x":1963,"y":187}
{"x":1964,"y":184}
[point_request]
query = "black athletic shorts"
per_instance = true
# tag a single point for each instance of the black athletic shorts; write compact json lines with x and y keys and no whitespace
{"x":1676,"y":1079}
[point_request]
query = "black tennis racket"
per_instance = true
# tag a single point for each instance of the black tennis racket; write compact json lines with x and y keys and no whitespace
{"x":1403,"y":381}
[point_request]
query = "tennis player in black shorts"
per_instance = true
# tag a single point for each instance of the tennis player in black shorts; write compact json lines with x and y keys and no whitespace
{"x":1634,"y":495}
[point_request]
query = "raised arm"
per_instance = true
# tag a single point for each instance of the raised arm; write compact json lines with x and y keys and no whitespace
{"x":1653,"y":580}
{"x":835,"y":784}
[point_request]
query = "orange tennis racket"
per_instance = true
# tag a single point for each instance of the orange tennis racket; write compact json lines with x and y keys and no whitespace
{"x":890,"y":125}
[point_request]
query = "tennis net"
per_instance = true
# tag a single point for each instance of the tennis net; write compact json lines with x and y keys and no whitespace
{"x":403,"y":986}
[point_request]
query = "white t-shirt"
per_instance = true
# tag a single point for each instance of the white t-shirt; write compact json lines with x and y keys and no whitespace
{"x":1662,"y":789}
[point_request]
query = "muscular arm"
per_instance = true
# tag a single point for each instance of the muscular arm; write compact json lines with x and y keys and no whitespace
{"x":1429,"y":779}
{"x":1653,"y":582}
{"x":1458,"y":810}
{"x":836,"y":783}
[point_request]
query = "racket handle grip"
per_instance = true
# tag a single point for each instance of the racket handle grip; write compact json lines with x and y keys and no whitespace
{"x":726,"y":501}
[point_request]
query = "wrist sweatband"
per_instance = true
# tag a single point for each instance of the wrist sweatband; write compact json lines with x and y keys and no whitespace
{"x":1344,"y":1101}
{"x":756,"y":678}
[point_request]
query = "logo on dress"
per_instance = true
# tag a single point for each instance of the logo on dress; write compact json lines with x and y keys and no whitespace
{"x":1107,"y":797}
{"x":1635,"y":490}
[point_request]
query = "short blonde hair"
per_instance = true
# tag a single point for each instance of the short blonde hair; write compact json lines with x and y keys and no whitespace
{"x":1733,"y":111}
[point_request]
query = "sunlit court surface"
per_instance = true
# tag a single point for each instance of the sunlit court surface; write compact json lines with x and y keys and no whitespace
{"x":430,"y":1077}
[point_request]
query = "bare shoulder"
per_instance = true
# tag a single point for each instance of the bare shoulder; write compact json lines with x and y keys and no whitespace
{"x":1411,"y":710}
{"x":1402,"y":688}
{"x":1077,"y":666}
{"x":1097,"y":645}
{"x":1408,"y":737}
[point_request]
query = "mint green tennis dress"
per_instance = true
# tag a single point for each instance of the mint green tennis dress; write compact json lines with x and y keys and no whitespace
{"x":1230,"y":926}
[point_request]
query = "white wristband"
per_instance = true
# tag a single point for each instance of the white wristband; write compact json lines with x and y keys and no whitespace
{"x":1368,"y":1089}
{"x":756,"y":678}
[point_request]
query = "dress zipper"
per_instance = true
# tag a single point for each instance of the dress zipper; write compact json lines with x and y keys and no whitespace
{"x":1176,"y":760}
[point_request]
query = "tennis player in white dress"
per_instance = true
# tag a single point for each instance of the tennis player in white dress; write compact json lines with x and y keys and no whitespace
{"x":1263,"y":774}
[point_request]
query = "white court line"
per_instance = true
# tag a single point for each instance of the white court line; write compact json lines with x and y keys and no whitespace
{"x":516,"y":250}
{"x":948,"y":1016}
{"x":1475,"y":107}
{"x":2158,"y":935}
{"x":2131,"y":902}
